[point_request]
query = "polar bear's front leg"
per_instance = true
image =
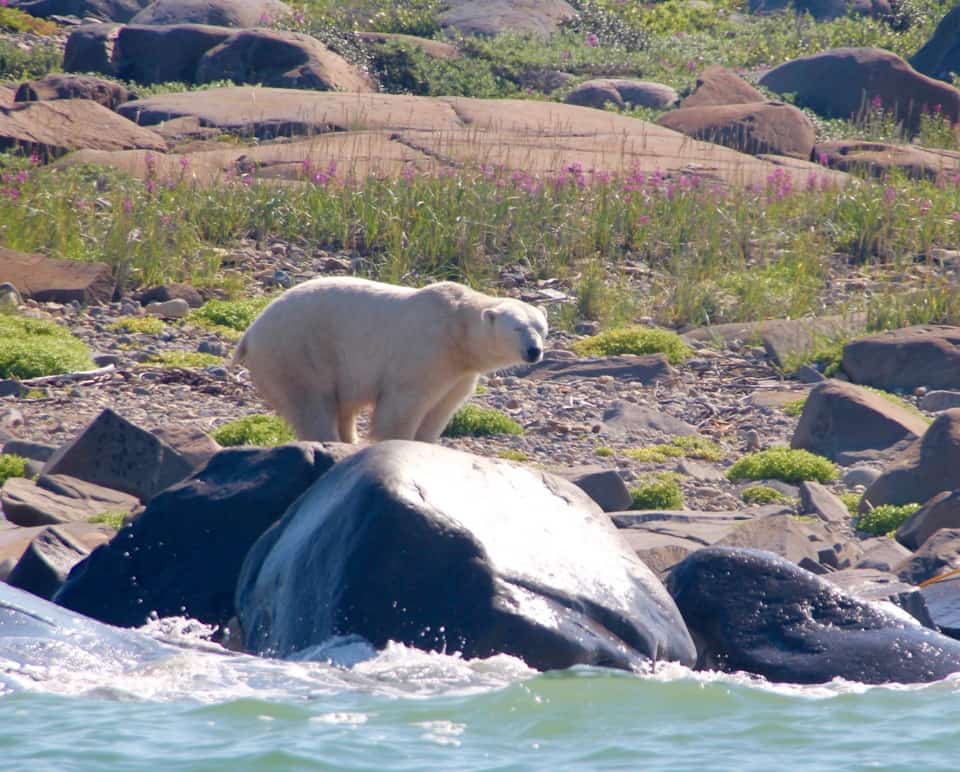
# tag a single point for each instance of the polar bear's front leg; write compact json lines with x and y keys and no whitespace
{"x":397,"y":416}
{"x":437,"y":418}
{"x":315,"y":419}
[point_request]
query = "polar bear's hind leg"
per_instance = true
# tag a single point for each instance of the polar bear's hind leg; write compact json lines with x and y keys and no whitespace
{"x":437,"y":418}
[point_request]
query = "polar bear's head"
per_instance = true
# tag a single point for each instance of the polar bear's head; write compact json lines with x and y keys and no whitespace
{"x":516,"y":331}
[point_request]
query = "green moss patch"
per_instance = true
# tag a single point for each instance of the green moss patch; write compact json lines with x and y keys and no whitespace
{"x":262,"y":430}
{"x":473,"y":421}
{"x":512,"y":455}
{"x":762,"y":494}
{"x":33,"y":347}
{"x":229,"y":316}
{"x":791,"y":466}
{"x":184,"y":359}
{"x":12,"y":465}
{"x":112,"y":518}
{"x":147,"y":325}
{"x":884,"y":519}
{"x":635,"y":340}
{"x":659,"y":492}
{"x":683,"y":446}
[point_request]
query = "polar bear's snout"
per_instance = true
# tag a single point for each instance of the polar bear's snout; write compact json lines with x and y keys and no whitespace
{"x":533,"y":354}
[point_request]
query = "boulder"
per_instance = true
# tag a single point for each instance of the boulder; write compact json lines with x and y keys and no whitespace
{"x":755,"y":611}
{"x":281,"y":59}
{"x":61,"y":86}
{"x":940,"y":554}
{"x":880,"y":159}
{"x":168,"y":309}
{"x":939,"y":57}
{"x":435,"y":49}
{"x":846,"y":82}
{"x":942,"y":511}
{"x":218,"y":13}
{"x":171,"y":291}
{"x":37,"y":451}
{"x":840,"y":418}
{"x":47,"y":279}
{"x":924,"y":355}
{"x":156,"y":54}
{"x":89,"y":48}
{"x":596,"y":93}
{"x":943,"y":602}
{"x":112,"y":452}
{"x":717,"y":85}
{"x":182,"y":554}
{"x":622,"y":92}
{"x":870,"y":584}
{"x":816,"y":499}
{"x":44,"y":566}
{"x":939,"y":400}
{"x":14,"y":540}
{"x":444,"y":530}
{"x":882,"y":553}
{"x":605,"y":486}
{"x":624,"y":368}
{"x":194,"y":444}
{"x":59,"y":498}
{"x":647,"y":530}
{"x":800,"y":542}
{"x":755,"y":128}
{"x":107,"y":10}
{"x":626,"y":421}
{"x":491,"y":17}
{"x":926,"y":467}
{"x":56,"y":127}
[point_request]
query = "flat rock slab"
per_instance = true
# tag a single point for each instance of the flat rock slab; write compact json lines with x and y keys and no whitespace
{"x":448,"y":132}
{"x":626,"y":421}
{"x":491,"y":17}
{"x":943,"y":602}
{"x":879,"y":159}
{"x":625,"y":367}
{"x":53,"y":128}
{"x":59,"y":499}
{"x":647,"y":529}
{"x":48,"y":279}
{"x":221,"y":13}
{"x":14,"y":540}
{"x":61,"y":86}
{"x":923,"y":355}
{"x":46,"y":562}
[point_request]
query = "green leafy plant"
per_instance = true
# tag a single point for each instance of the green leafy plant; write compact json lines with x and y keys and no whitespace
{"x":794,"y":408}
{"x":851,"y":501}
{"x":12,"y":465}
{"x":791,"y":466}
{"x":112,"y":518}
{"x":473,"y":421}
{"x":681,"y":446}
{"x":148,"y":325}
{"x":261,"y":430}
{"x":235,"y":315}
{"x":512,"y":455}
{"x":603,"y":451}
{"x":659,"y":492}
{"x":635,"y":340}
{"x":762,"y":494}
{"x":884,"y":519}
{"x":33,"y":347}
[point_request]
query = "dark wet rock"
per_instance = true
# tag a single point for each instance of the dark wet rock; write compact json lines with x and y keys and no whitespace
{"x":816,"y":499}
{"x":156,"y":54}
{"x":937,"y":555}
{"x":90,"y":48}
{"x":44,"y":566}
{"x":114,"y":453}
{"x":14,"y":539}
{"x":823,"y":10}
{"x":840,"y":418}
{"x":943,"y":602}
{"x":47,"y":279}
{"x":627,"y":421}
{"x":58,"y":498}
{"x":926,"y":467}
{"x":172,"y":291}
{"x":595,"y":93}
{"x":717,"y":85}
{"x":219,"y":13}
{"x":491,"y":17}
{"x":605,"y":486}
{"x":925,"y":355}
{"x":882,"y":586}
{"x":443,"y":529}
{"x":626,"y":367}
{"x":942,"y":511}
{"x":755,"y":611}
{"x":182,"y":554}
{"x":939,"y":57}
{"x":61,"y":86}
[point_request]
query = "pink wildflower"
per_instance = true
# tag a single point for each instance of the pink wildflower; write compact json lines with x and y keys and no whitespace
{"x":591,"y":41}
{"x":889,"y":195}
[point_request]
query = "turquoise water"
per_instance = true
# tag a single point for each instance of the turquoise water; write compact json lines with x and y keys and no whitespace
{"x":409,"y":710}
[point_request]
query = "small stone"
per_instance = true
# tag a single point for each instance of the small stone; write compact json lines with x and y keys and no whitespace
{"x":939,"y":399}
{"x":177,"y":308}
{"x":751,"y":440}
{"x":920,"y":391}
{"x":213,"y":346}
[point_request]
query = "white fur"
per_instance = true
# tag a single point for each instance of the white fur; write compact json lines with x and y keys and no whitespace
{"x":326,"y":349}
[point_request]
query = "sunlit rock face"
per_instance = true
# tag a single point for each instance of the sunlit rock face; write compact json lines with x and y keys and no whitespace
{"x":446,"y":551}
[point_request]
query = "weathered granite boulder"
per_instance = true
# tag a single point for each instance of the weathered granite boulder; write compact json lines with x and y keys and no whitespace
{"x":924,"y":355}
{"x":61,"y":86}
{"x":156,"y":54}
{"x":89,"y":48}
{"x":807,"y":544}
{"x":44,"y":566}
{"x":605,"y":486}
{"x":621,"y":92}
{"x":630,"y":422}
{"x":626,"y":367}
{"x":882,"y":553}
{"x":845,"y":82}
{"x":183,"y":553}
{"x":47,"y":279}
{"x":470,"y":554}
{"x":59,"y":498}
{"x":942,"y":511}
{"x":219,"y":13}
{"x":15,"y":540}
{"x":939,"y":57}
{"x":939,"y":399}
{"x":840,"y":418}
{"x":491,"y":17}
{"x":754,"y":611}
{"x":926,"y":467}
{"x":879,"y":159}
{"x":107,"y":10}
{"x":717,"y":85}
{"x":816,"y":499}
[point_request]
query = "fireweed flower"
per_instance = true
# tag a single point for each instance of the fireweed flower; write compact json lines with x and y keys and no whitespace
{"x":127,"y":206}
{"x":592,"y":41}
{"x":889,"y":195}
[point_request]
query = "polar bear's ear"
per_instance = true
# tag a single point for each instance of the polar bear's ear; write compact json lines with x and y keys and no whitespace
{"x":489,"y":315}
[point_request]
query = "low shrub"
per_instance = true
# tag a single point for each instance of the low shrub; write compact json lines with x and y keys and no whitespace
{"x":603,"y":451}
{"x":884,"y":519}
{"x":262,"y":430}
{"x":659,"y":492}
{"x":33,"y":347}
{"x":12,"y":465}
{"x":147,"y":325}
{"x":791,"y":466}
{"x":851,"y":501}
{"x":111,"y":518}
{"x":233,"y":315}
{"x":762,"y":494}
{"x":512,"y":455}
{"x":473,"y":421}
{"x":682,"y":446}
{"x":635,"y":340}
{"x":794,"y":408}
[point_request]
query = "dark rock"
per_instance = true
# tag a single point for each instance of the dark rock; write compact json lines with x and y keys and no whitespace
{"x":605,"y":486}
{"x":44,"y":566}
{"x":491,"y":17}
{"x":59,"y":498}
{"x":173,"y":291}
{"x":840,"y":418}
{"x":717,"y":85}
{"x":280,"y":59}
{"x":47,"y":279}
{"x":107,"y":10}
{"x":443,"y":531}
{"x":14,"y":540}
{"x":112,"y":452}
{"x":923,"y":469}
{"x":939,"y":57}
{"x":595,"y":93}
{"x":38,"y":451}
{"x":661,"y":558}
{"x":925,"y":355}
{"x":90,"y":48}
{"x":882,"y":553}
{"x":860,"y":475}
{"x":757,"y":128}
{"x":622,"y":92}
{"x":937,"y":555}
{"x":882,"y":586}
{"x":182,"y":554}
{"x":754,"y":611}
{"x":880,"y":159}
{"x":699,"y":470}
{"x":843,"y":82}
{"x":625,"y":420}
{"x":195,"y":445}
{"x":156,"y":54}
{"x":60,"y":86}
{"x":816,"y":499}
{"x":219,"y":13}
{"x":823,"y":10}
{"x":691,"y":530}
{"x":943,"y":602}
{"x":942,"y":511}
{"x":938,"y":400}
{"x":626,"y":367}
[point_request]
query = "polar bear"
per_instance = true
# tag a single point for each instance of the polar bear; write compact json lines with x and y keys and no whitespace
{"x":328,"y":348}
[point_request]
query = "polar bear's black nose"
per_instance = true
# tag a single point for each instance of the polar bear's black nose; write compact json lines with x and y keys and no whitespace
{"x":533,"y":354}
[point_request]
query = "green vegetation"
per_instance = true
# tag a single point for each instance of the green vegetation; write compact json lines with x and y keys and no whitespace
{"x":262,"y":430}
{"x":896,"y":399}
{"x":512,"y":455}
{"x":851,"y":501}
{"x":473,"y":421}
{"x":794,"y":408}
{"x":603,"y":451}
{"x":33,"y":347}
{"x":690,"y":446}
{"x":12,"y":465}
{"x":147,"y":325}
{"x":826,"y":355}
{"x":884,"y":519}
{"x":183,"y":359}
{"x":659,"y":492}
{"x":635,"y":340}
{"x":231,"y":317}
{"x":762,"y":494}
{"x":15,"y":20}
{"x":791,"y":466}
{"x":112,"y":518}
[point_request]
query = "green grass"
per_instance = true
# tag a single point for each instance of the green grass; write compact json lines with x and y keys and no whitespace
{"x":791,"y":466}
{"x":146,"y":325}
{"x":33,"y":347}
{"x":659,"y":492}
{"x":603,"y":451}
{"x":261,"y":430}
{"x":692,"y":446}
{"x":183,"y":359}
{"x":230,"y":316}
{"x":884,"y":519}
{"x":794,"y":408}
{"x":512,"y":455}
{"x":112,"y":518}
{"x":473,"y":421}
{"x":762,"y":494}
{"x":826,"y":355}
{"x":635,"y":340}
{"x":12,"y":465}
{"x":896,"y":399}
{"x":851,"y":501}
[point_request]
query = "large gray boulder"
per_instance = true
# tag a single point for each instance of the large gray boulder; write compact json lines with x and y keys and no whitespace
{"x":924,"y":355}
{"x":106,"y":10}
{"x":220,"y":13}
{"x":939,"y":57}
{"x":942,"y":511}
{"x":491,"y":17}
{"x":442,"y":550}
{"x":754,"y":611}
{"x":182,"y":554}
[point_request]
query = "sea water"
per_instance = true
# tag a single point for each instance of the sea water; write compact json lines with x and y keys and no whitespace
{"x":404,"y":709}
